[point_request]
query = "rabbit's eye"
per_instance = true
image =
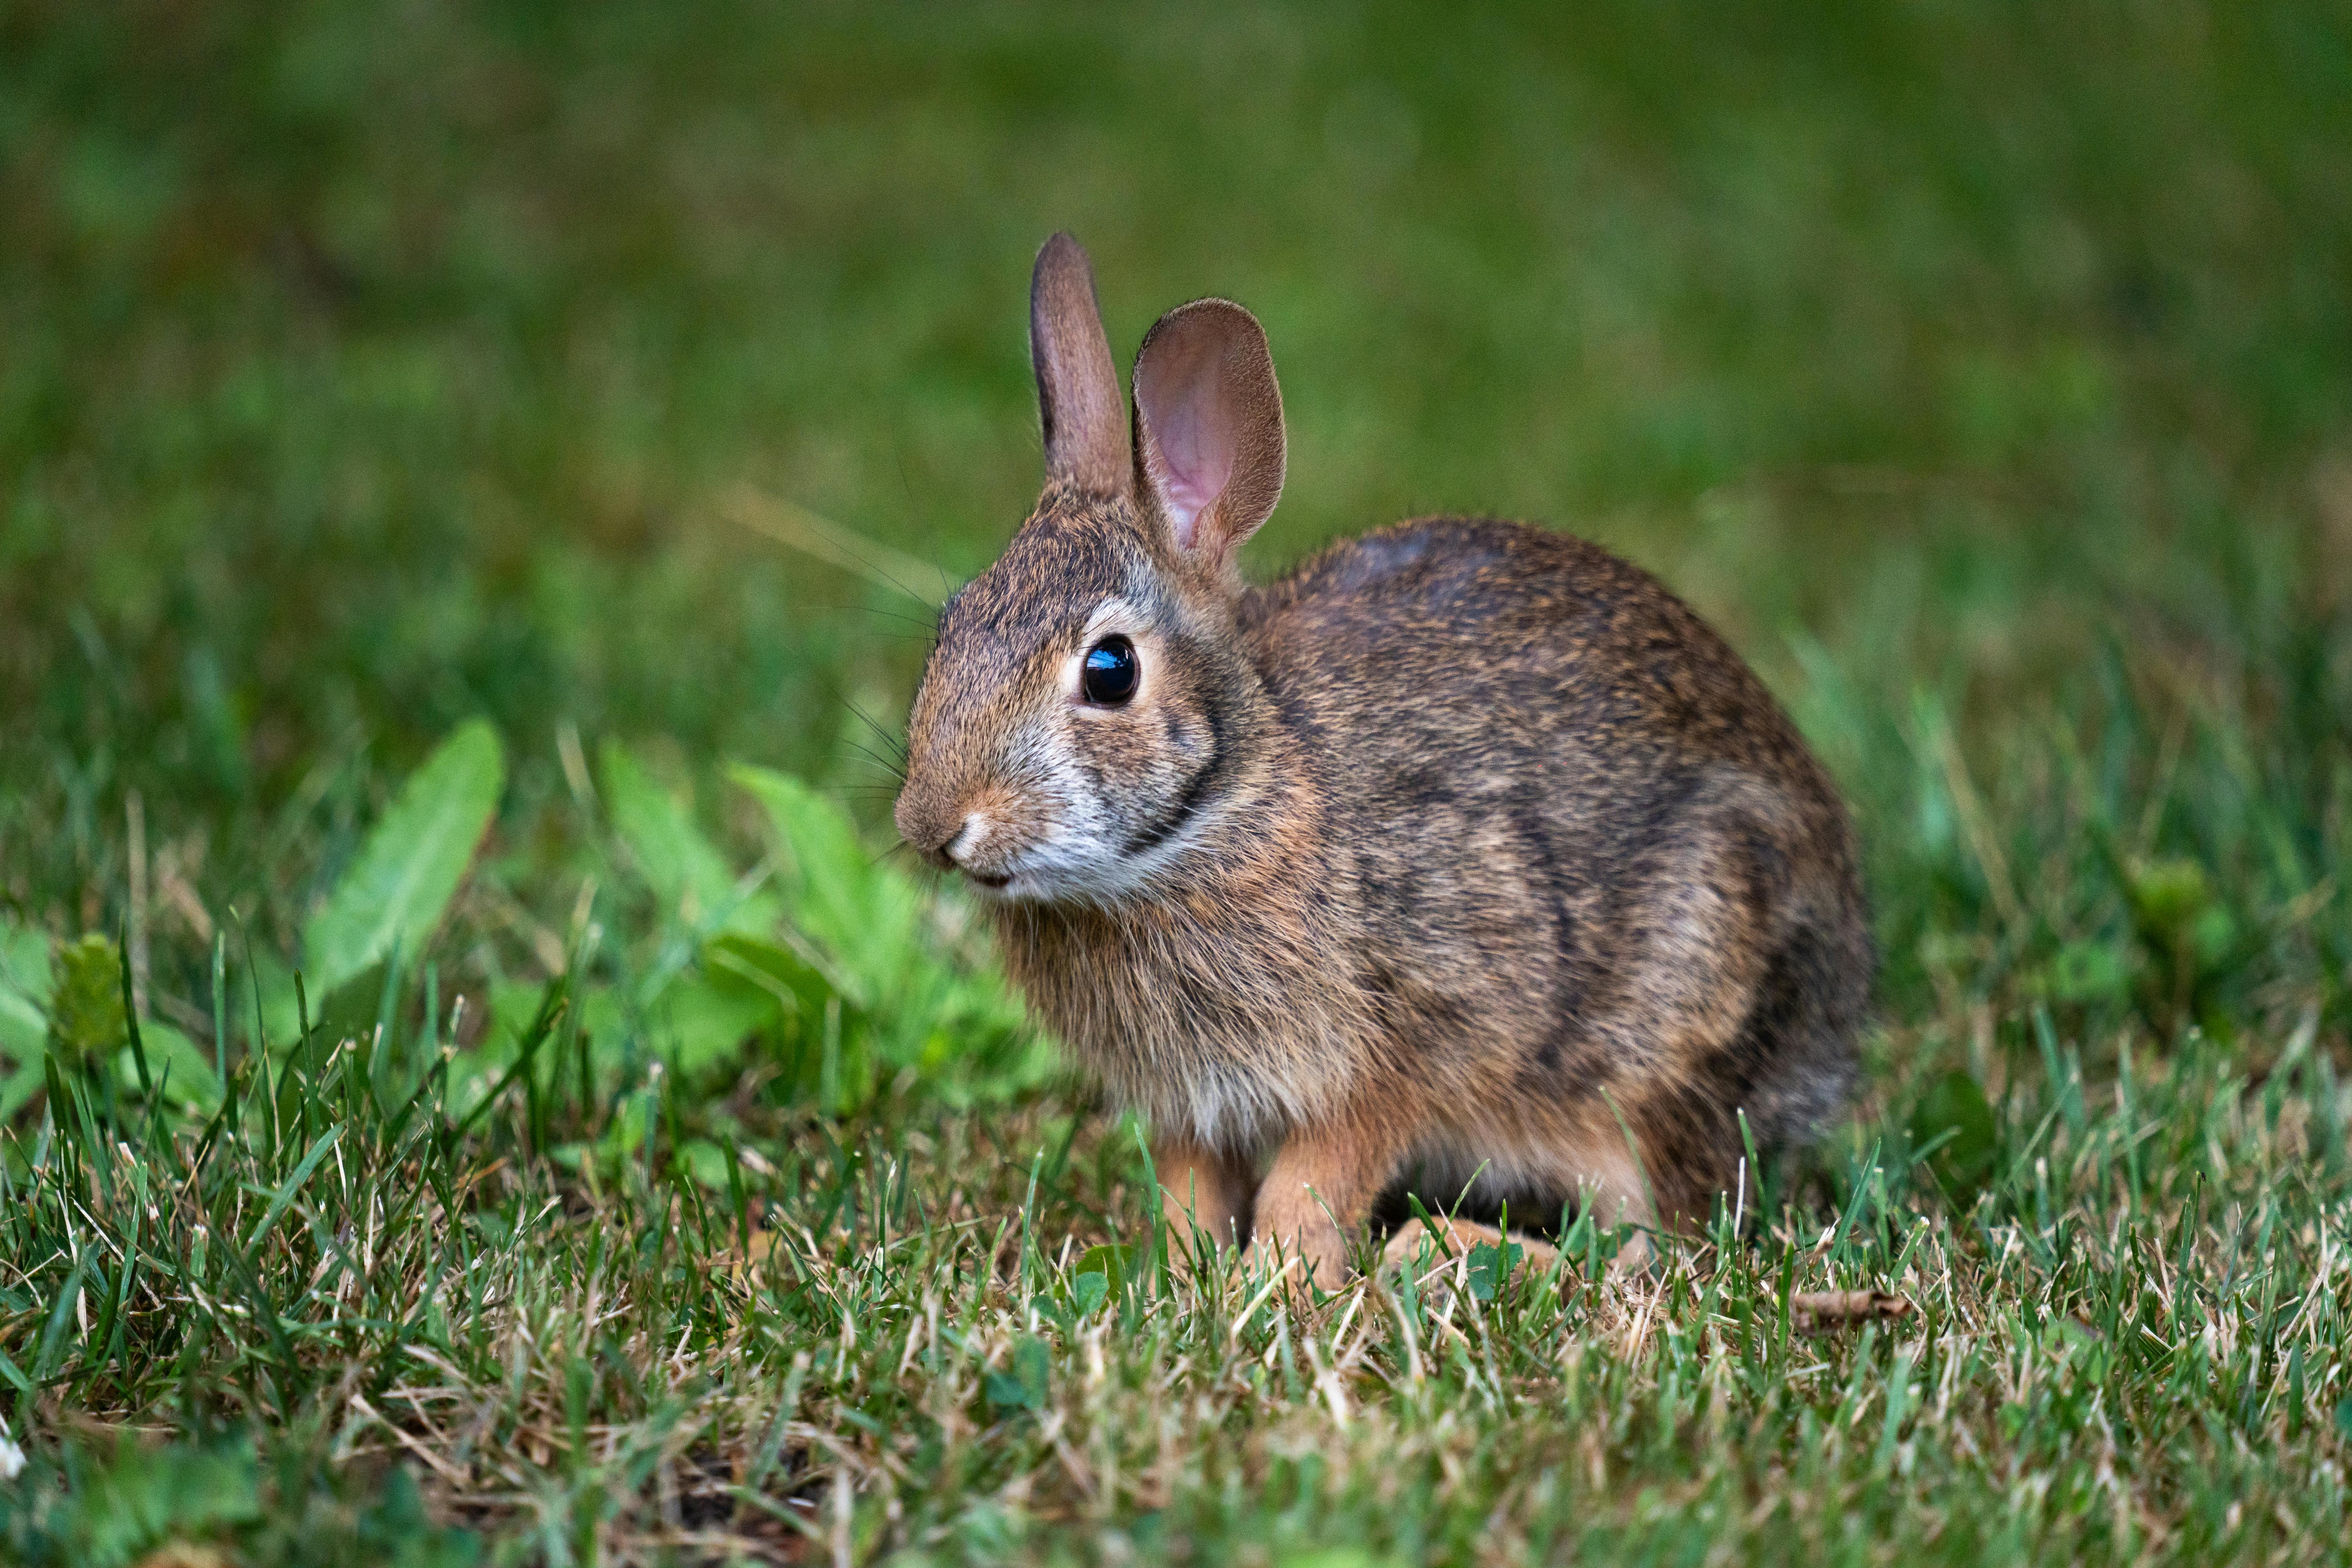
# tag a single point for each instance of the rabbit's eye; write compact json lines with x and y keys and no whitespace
{"x":1110,"y":673}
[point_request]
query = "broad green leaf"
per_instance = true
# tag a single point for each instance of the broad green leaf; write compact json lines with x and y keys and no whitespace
{"x":1334,"y":1557}
{"x":190,"y":1083}
{"x":293,"y":1184}
{"x":24,"y":969}
{"x":865,"y":918}
{"x":24,"y":1017}
{"x":1024,"y":1385}
{"x":2090,"y":972}
{"x":1955,"y":1116}
{"x":775,"y":971}
{"x":23,"y":1027}
{"x":25,"y":990}
{"x":19,"y":1084}
{"x":282,"y":1012}
{"x":150,"y":1495}
{"x":687,"y":874}
{"x":699,"y":1025}
{"x":706,"y":1162}
{"x":397,"y":890}
{"x":2167,"y":896}
{"x":865,"y":912}
{"x":85,"y":1020}
{"x":1107,"y":1259}
{"x":1490,"y":1265}
{"x":511,"y":1008}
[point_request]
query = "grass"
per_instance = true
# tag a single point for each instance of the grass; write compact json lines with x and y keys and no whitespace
{"x":2132,"y":1345}
{"x":644,"y":1169}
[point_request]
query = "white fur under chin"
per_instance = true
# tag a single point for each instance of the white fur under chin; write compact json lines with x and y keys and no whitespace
{"x":1077,"y":860}
{"x":1049,"y":874}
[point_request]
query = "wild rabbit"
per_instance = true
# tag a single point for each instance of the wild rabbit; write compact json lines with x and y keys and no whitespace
{"x":1464,"y":854}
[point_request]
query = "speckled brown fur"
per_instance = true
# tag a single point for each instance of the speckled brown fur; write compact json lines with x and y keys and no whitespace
{"x":1464,"y":850}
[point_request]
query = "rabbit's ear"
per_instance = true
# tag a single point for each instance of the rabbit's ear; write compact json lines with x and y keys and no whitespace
{"x":1078,"y":385}
{"x":1208,"y":421}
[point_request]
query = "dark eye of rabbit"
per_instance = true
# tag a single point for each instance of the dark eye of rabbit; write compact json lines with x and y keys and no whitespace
{"x":1111,"y":672}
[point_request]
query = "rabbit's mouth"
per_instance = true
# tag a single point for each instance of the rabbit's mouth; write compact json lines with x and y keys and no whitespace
{"x":993,"y":883}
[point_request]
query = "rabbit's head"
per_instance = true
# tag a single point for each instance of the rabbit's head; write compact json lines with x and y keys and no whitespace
{"x":1081,"y":722}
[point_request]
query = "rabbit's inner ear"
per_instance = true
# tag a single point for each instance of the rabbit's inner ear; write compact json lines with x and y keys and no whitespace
{"x":1188,"y":450}
{"x":1078,"y":386}
{"x":1208,"y":418}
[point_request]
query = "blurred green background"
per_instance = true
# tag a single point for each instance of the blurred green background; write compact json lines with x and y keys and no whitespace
{"x":1985,"y":371}
{"x":384,"y":382}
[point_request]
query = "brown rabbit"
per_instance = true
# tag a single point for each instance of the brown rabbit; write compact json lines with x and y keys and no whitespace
{"x":1465,"y":853}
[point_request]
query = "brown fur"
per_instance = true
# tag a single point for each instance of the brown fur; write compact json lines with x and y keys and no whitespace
{"x":1464,"y":850}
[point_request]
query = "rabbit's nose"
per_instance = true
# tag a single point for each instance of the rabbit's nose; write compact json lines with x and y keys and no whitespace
{"x":969,"y":834}
{"x":959,"y":850}
{"x":926,"y":824}
{"x":938,"y":849}
{"x":948,"y":845}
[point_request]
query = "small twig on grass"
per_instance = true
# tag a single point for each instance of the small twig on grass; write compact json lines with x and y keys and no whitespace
{"x":1819,"y":1312}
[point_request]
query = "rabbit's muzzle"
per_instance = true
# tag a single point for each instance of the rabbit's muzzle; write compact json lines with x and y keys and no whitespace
{"x":982,"y":832}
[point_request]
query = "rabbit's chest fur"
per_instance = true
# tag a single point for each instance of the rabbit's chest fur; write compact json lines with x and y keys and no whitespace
{"x":1221,"y":1008}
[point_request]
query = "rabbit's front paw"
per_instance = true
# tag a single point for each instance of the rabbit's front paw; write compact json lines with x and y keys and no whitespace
{"x":1315,"y":1196}
{"x":1204,"y":1198}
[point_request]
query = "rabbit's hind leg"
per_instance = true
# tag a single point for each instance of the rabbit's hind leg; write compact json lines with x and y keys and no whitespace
{"x":1713,"y":1022}
{"x":1456,"y":1236}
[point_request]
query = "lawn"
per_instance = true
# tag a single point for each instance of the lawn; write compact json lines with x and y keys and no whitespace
{"x":475,"y":1087}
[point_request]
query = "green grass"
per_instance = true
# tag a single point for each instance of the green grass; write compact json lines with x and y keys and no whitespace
{"x":646,"y":1170}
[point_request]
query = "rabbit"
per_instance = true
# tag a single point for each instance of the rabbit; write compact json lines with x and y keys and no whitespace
{"x":1465,"y":853}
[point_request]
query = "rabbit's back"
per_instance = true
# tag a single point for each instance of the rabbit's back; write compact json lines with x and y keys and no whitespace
{"x":1585,"y":844}
{"x":1497,"y":638}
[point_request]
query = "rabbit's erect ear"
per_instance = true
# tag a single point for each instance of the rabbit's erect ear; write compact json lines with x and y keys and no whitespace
{"x":1208,"y":421}
{"x":1078,"y":385}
